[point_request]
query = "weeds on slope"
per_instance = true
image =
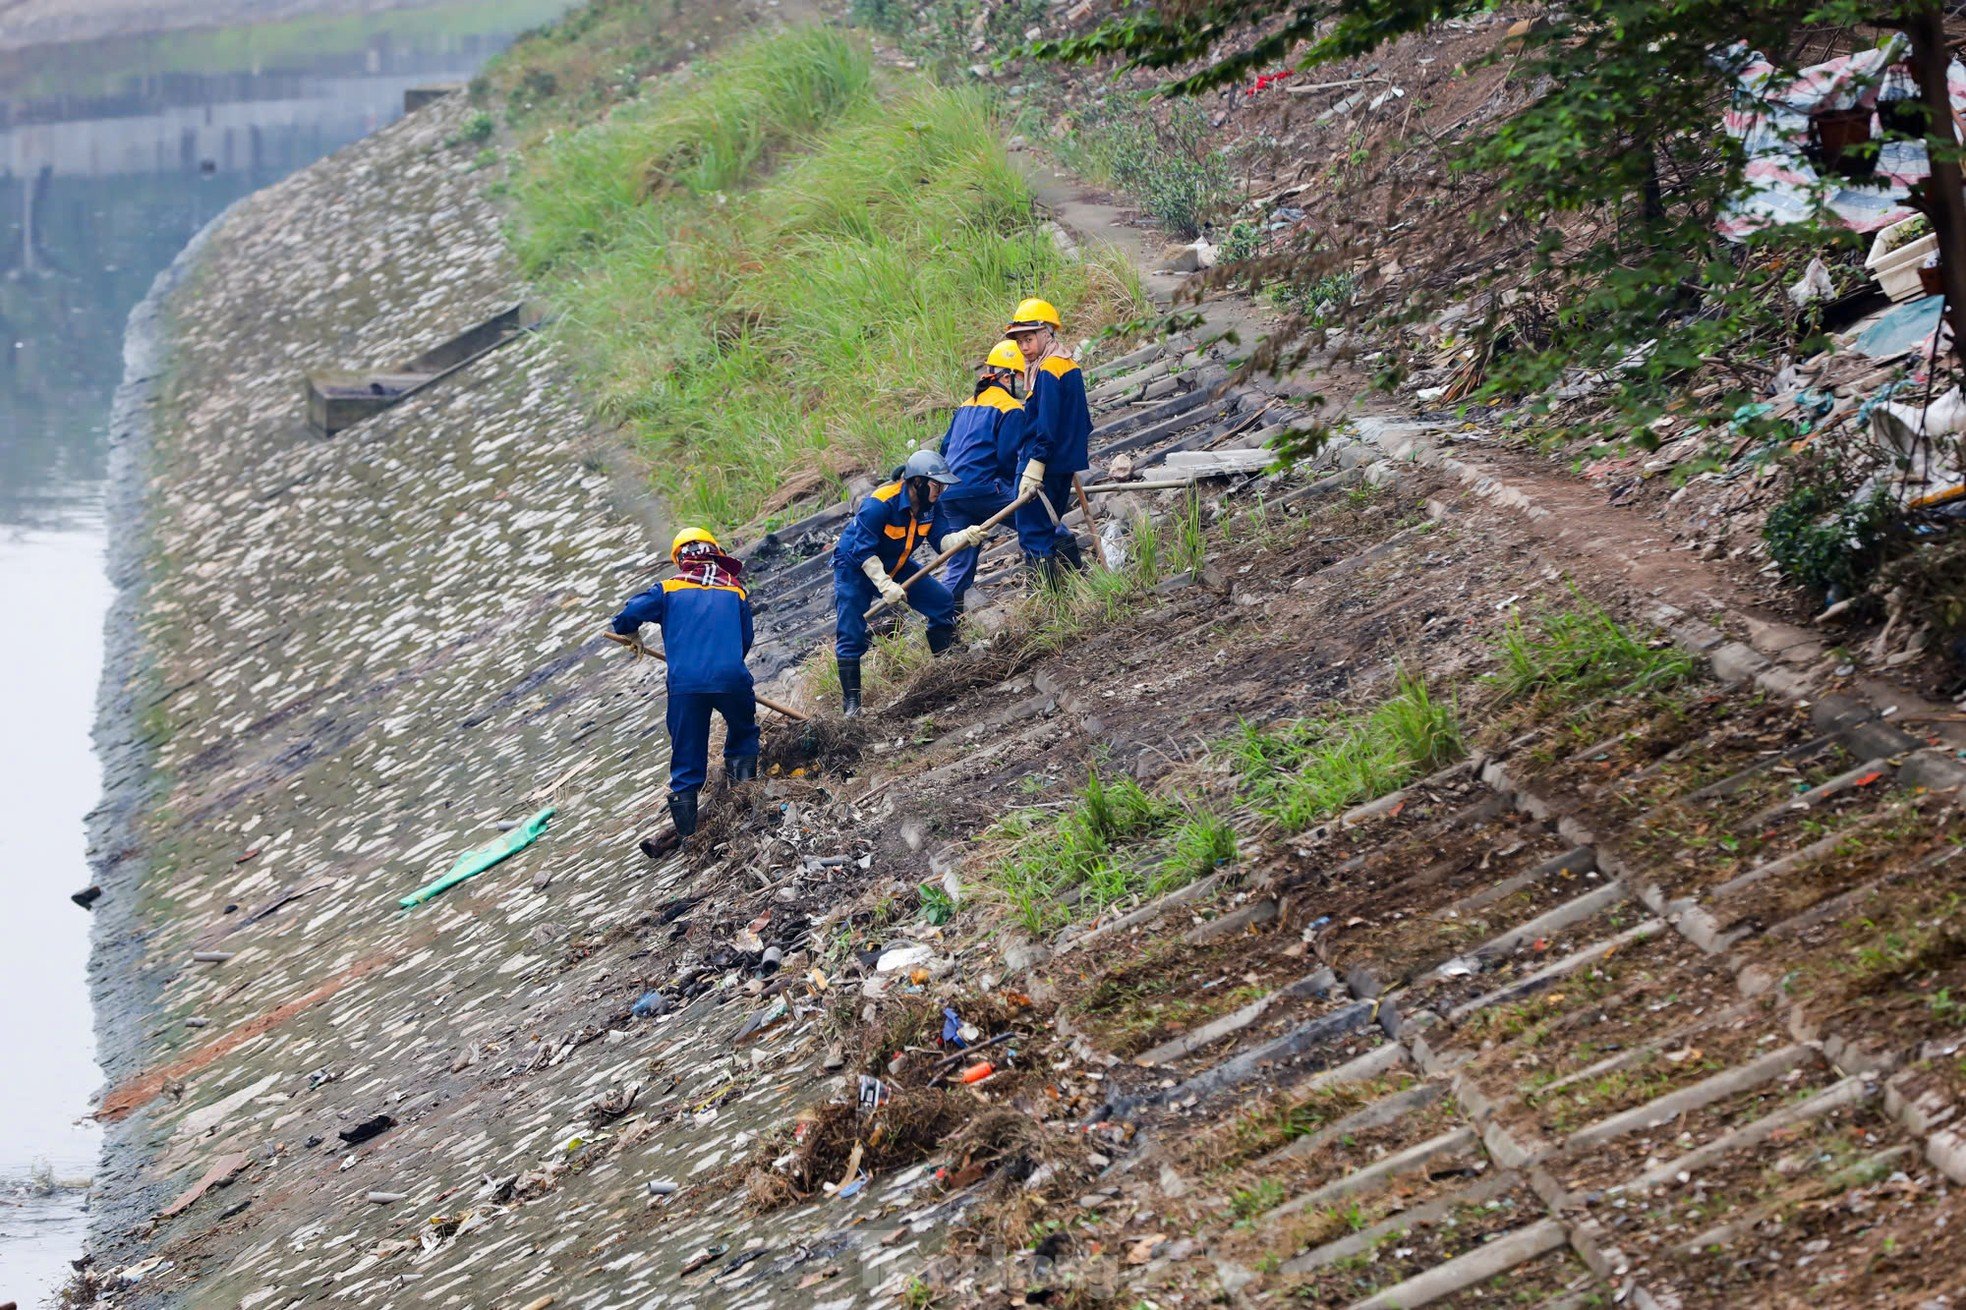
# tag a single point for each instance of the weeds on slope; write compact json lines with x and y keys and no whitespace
{"x":1582,"y":653}
{"x":762,"y":333}
{"x":1163,"y":155}
{"x":1115,"y":840}
{"x":600,"y":186}
{"x":1302,"y":772}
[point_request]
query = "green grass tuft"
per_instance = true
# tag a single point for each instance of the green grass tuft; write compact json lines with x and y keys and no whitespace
{"x":1049,"y":856}
{"x":1202,"y":843}
{"x":1305,"y":771}
{"x":1582,"y":654}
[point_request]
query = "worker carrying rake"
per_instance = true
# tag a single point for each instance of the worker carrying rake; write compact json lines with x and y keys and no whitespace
{"x":1056,"y":450}
{"x":705,"y":617}
{"x":985,"y":439}
{"x":872,"y":554}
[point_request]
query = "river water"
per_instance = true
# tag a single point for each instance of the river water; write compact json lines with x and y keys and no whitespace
{"x":113,"y":154}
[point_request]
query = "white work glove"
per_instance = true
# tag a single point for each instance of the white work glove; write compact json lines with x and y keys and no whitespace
{"x":631,"y":640}
{"x":960,"y":539}
{"x":1033,"y":478}
{"x":890,"y":590}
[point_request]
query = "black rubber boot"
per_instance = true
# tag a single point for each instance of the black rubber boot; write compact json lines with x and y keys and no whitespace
{"x":682,"y":811}
{"x":850,"y":688}
{"x":1034,"y":570}
{"x":1068,"y":553}
{"x":740,"y":768}
{"x":1042,"y":572}
{"x":940,"y":639}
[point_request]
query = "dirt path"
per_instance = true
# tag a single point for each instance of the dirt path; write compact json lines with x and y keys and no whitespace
{"x":1629,"y":551}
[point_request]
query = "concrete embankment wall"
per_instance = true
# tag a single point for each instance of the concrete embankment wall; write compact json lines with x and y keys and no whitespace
{"x":349,"y":659}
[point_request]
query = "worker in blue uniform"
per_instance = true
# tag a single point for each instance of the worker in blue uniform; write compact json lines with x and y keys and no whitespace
{"x":705,"y":617}
{"x":1060,"y":430}
{"x":982,"y":446}
{"x":872,"y":558}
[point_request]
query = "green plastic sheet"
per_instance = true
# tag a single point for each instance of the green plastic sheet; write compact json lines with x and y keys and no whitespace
{"x":479,"y":858}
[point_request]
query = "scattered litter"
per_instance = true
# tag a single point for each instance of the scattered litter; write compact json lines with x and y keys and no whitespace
{"x":903,"y":957}
{"x":648,"y":1005}
{"x":386,"y":1198}
{"x":1901,"y":329}
{"x":475,"y":861}
{"x":762,"y":1020}
{"x":137,"y":1272}
{"x":219,"y":1175}
{"x":1813,"y":285}
{"x":368,"y":1128}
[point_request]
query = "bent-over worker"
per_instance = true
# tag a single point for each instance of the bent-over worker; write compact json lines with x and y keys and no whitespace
{"x":984,"y":441}
{"x":1060,"y":428}
{"x":705,"y":618}
{"x":870,"y":558}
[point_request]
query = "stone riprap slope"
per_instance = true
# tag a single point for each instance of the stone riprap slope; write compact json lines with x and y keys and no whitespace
{"x":360,"y":656}
{"x":364,"y":654}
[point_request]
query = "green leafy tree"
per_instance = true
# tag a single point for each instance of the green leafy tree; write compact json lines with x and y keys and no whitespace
{"x":1605,"y":185}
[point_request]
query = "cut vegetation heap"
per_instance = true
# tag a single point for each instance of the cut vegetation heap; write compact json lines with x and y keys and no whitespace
{"x":779,"y":268}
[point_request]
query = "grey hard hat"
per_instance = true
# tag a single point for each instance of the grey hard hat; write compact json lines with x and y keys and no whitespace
{"x":930,"y":465}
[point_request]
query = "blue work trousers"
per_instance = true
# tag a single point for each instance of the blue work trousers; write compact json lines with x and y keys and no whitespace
{"x":1036,"y":534}
{"x":853,"y":594}
{"x":966,"y":510}
{"x":689,"y":732}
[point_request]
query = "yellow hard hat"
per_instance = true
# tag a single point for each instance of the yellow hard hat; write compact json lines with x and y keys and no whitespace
{"x":686,"y":537}
{"x":1033,"y":314}
{"x":1005,"y":354}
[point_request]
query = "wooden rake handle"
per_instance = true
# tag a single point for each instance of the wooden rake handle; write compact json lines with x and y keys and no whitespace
{"x":943,"y":558}
{"x":634,"y":644}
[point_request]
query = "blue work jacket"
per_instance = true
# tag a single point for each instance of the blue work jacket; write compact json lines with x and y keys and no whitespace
{"x":1061,"y":422}
{"x":884,"y":526}
{"x":984,"y":441}
{"x":706,"y":633}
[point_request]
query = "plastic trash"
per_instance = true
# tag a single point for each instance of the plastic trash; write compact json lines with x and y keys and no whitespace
{"x":903,"y":957}
{"x":367,"y":1129}
{"x":952,"y":1027}
{"x":976,"y":1073}
{"x":476,"y":860}
{"x":1813,"y":285}
{"x":649,"y":1005}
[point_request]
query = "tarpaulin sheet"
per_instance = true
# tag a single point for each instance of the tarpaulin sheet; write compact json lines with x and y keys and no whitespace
{"x":1770,"y":118}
